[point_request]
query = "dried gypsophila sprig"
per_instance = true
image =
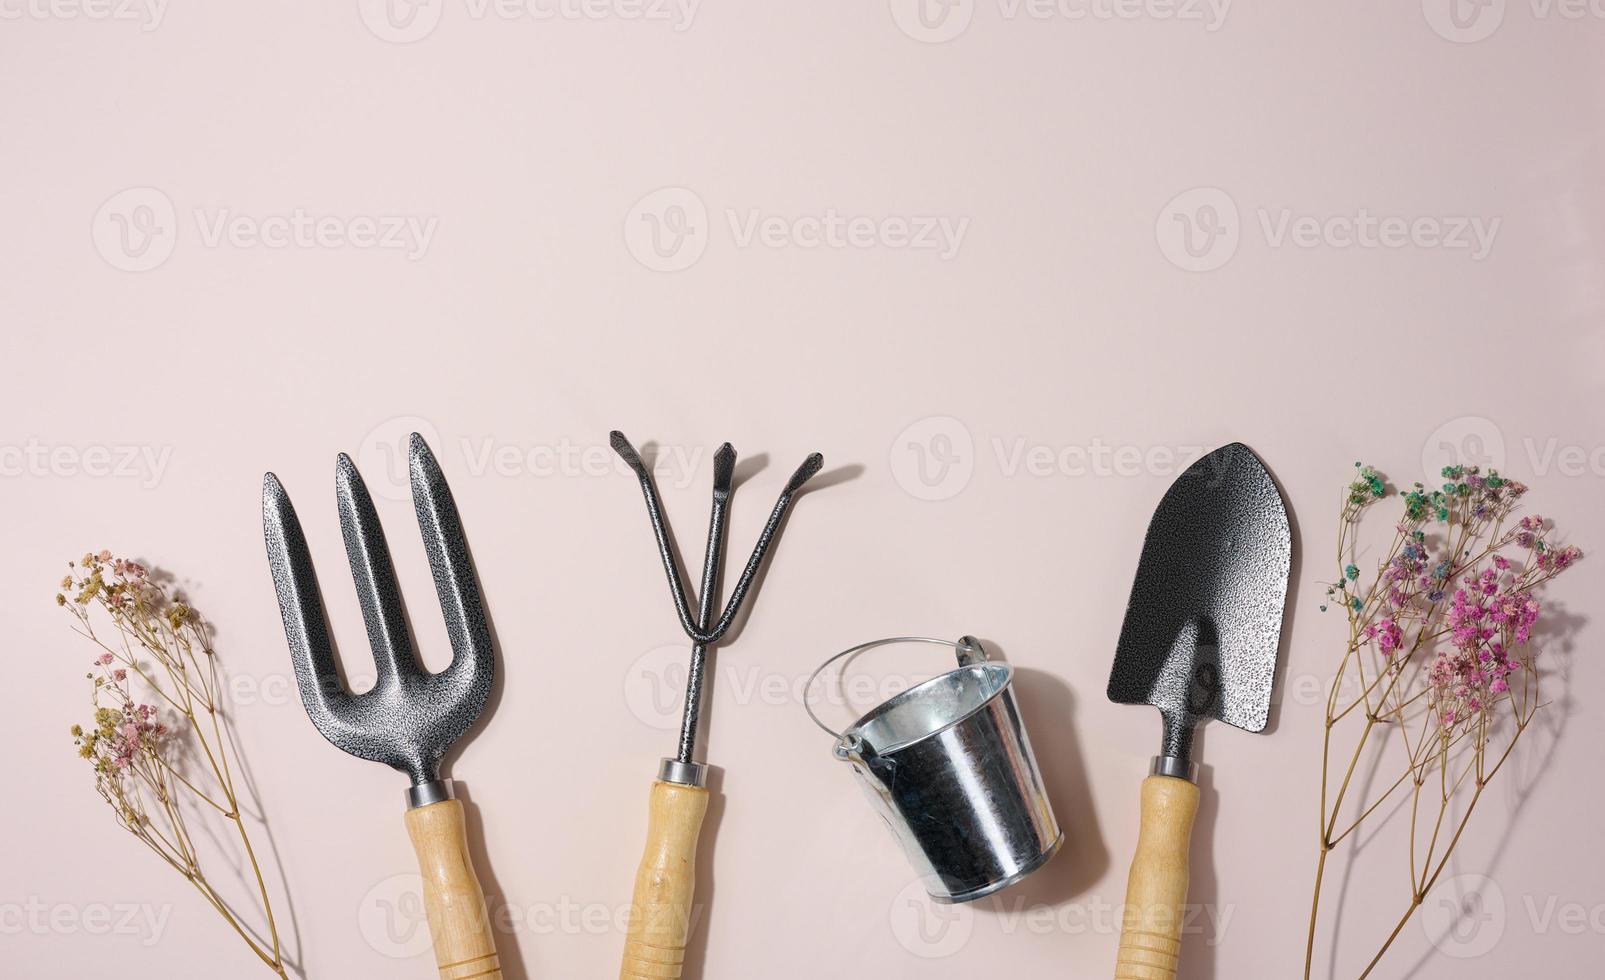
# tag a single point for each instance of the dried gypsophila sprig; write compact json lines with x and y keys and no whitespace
{"x":158,"y":663}
{"x":1440,"y":647}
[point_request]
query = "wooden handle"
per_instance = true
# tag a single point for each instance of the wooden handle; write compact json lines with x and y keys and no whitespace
{"x":660,"y":912}
{"x":464,"y":944}
{"x":1156,"y":891}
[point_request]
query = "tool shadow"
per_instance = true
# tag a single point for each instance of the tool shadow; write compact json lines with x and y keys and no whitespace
{"x":253,"y":809}
{"x":1202,"y":916}
{"x":507,"y":939}
{"x":696,"y":947}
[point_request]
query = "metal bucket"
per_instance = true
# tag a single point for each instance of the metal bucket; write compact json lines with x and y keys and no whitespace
{"x":949,"y":768}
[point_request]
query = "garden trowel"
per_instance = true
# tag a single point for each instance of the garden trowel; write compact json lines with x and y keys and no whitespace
{"x":1200,"y":641}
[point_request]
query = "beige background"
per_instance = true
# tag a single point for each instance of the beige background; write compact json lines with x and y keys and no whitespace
{"x":1083,"y":241}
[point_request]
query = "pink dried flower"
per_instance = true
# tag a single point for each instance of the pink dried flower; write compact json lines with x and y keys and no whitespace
{"x":1387,"y":634}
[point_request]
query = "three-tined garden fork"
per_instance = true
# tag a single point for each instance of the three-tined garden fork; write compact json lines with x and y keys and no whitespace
{"x":410,"y":717}
{"x":660,"y":912}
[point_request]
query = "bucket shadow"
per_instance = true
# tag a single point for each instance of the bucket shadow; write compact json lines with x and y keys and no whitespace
{"x":1048,"y":703}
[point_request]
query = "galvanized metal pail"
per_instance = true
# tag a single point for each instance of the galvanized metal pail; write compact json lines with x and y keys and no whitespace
{"x":949,"y":767}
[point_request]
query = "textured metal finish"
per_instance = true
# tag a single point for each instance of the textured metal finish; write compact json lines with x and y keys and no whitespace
{"x":702,"y":634}
{"x":948,"y":766}
{"x":1204,"y":622}
{"x":410,"y":717}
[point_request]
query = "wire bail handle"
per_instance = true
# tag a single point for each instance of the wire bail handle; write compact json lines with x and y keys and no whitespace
{"x":967,"y":648}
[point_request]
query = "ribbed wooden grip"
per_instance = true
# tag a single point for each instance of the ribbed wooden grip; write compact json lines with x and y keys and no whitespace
{"x":465,"y":947}
{"x":1156,"y":891}
{"x":660,"y":912}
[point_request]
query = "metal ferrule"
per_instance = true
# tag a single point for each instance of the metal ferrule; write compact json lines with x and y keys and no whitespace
{"x":683,"y":773}
{"x":434,"y":791}
{"x":1169,"y":765}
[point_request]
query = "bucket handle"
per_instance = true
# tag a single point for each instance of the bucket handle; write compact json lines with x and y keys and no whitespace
{"x":967,"y":648}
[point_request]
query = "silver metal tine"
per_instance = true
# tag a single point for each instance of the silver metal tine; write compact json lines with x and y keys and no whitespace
{"x":699,"y":633}
{"x":301,"y":607}
{"x":660,"y":531}
{"x":810,"y":466}
{"x":375,"y":577}
{"x":447,"y":549}
{"x":724,"y":472}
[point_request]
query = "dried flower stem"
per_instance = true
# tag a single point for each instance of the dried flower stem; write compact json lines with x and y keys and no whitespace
{"x":160,"y":649}
{"x":1447,"y":639}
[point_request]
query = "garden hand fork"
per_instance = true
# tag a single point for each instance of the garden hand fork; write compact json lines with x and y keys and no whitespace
{"x":409,"y":718}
